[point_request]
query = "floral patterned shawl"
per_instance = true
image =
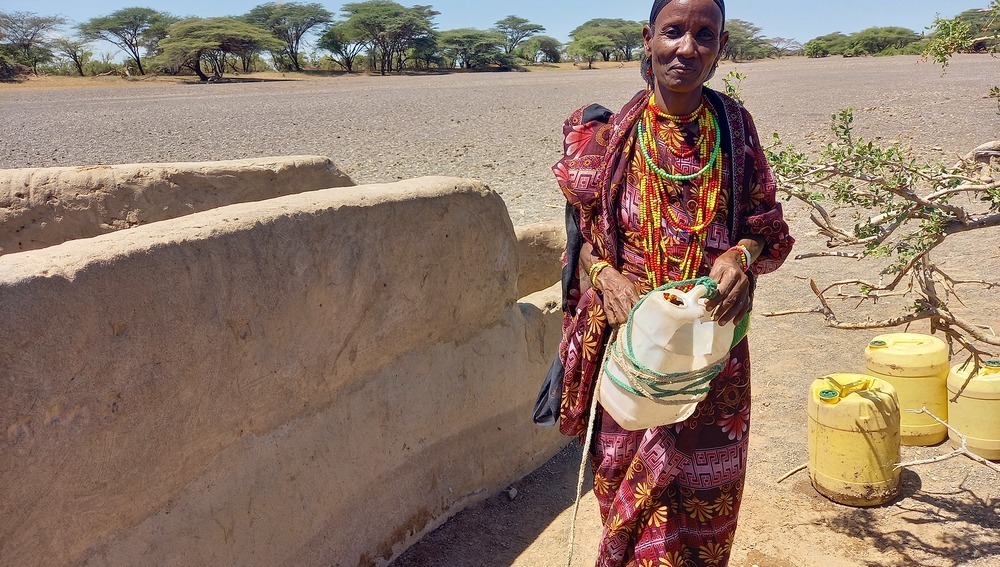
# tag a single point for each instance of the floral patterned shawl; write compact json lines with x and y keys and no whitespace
{"x":598,"y":148}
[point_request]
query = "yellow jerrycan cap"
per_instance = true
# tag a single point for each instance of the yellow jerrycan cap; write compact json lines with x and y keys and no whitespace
{"x":829,"y":396}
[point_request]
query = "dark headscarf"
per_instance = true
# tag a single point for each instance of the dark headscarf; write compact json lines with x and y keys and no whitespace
{"x":659,"y":5}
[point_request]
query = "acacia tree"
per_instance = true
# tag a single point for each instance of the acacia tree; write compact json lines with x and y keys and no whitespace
{"x":390,"y":30}
{"x":73,"y":49}
{"x":290,"y":22}
{"x":872,"y":41}
{"x":548,"y":49}
{"x":745,"y":42}
{"x":589,"y":47}
{"x":131,"y":29}
{"x":475,"y":49}
{"x":516,"y":30}
{"x":625,"y":36}
{"x":785,"y":46}
{"x":345,"y":42}
{"x":831,"y":44}
{"x":424,"y":50}
{"x":193,"y":41}
{"x":416,"y":34}
{"x":26,"y":33}
{"x":156,"y":31}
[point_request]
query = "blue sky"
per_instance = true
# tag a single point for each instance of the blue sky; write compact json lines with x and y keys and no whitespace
{"x":797,"y":19}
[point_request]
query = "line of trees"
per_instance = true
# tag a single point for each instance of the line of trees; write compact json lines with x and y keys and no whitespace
{"x":871,"y":41}
{"x":382,"y":36}
{"x":902,"y":41}
{"x":621,"y":40}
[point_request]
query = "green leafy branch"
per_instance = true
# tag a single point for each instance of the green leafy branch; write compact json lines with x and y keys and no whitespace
{"x":732,"y":85}
{"x":951,"y":36}
{"x":900,"y":209}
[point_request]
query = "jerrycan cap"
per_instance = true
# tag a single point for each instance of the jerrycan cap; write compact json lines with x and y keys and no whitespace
{"x":829,"y":396}
{"x":878,"y":344}
{"x":992,"y":366}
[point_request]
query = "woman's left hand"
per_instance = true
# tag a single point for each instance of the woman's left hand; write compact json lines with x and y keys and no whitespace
{"x":733,"y":300}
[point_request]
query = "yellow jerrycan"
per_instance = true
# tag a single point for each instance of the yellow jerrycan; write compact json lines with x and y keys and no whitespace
{"x":917,"y":366}
{"x":976,"y":413}
{"x":854,"y":439}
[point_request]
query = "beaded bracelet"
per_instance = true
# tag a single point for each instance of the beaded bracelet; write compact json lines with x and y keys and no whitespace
{"x":744,"y":255}
{"x":596,"y":269}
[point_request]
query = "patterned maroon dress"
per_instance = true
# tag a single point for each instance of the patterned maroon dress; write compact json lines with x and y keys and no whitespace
{"x":669,"y":496}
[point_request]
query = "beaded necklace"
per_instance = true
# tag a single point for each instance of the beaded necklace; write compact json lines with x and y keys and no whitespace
{"x":656,"y":185}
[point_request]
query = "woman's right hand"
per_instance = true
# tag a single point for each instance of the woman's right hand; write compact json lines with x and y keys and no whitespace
{"x":619,"y":294}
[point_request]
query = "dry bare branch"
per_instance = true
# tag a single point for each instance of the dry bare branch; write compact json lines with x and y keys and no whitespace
{"x":884,"y":323}
{"x":899,"y":208}
{"x":792,"y":473}
{"x":853,"y":256}
{"x":970,"y":329}
{"x":813,"y":311}
{"x":968,"y":188}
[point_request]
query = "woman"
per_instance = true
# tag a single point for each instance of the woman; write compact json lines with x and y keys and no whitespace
{"x":672,"y":187}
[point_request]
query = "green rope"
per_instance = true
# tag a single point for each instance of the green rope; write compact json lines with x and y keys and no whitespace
{"x":648,"y":383}
{"x":652,"y":386}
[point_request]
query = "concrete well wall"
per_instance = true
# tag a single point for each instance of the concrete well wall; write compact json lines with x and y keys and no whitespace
{"x":318,"y":379}
{"x":540,"y":248}
{"x":42,"y":207}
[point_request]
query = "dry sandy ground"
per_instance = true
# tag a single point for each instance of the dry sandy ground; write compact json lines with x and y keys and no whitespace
{"x":505,"y":129}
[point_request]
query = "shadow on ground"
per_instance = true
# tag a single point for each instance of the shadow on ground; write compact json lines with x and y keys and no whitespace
{"x":973,"y":527}
{"x":233,"y":80}
{"x":496,"y":532}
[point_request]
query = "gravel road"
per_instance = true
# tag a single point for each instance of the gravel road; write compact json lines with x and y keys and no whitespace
{"x":501,"y":128}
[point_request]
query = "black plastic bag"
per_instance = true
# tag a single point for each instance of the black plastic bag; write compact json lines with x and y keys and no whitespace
{"x":549,"y":399}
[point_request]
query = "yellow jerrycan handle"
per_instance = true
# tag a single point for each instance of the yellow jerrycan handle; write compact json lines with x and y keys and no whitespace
{"x":847,"y":390}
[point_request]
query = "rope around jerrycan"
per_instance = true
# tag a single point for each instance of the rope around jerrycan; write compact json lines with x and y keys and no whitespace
{"x":648,"y":383}
{"x":713,"y":291}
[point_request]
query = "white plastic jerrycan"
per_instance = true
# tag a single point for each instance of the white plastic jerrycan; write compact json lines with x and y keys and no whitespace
{"x":659,"y":368}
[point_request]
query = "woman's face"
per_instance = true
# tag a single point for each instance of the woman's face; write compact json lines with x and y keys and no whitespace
{"x":684,"y":44}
